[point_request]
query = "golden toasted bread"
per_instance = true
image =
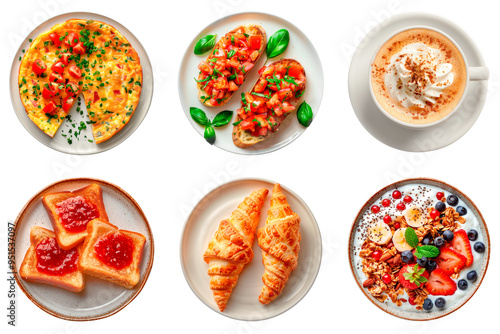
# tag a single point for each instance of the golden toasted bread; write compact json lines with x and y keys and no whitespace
{"x":90,"y":200}
{"x":222,"y":51}
{"x":100,"y":260}
{"x":72,"y":280}
{"x":277,"y":107}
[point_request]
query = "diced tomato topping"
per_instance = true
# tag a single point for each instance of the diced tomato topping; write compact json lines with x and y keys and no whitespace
{"x":232,"y":86}
{"x":50,"y":108}
{"x":96,"y":97}
{"x":248,"y":66}
{"x":284,"y":94}
{"x":294,"y":71}
{"x":39,"y":66}
{"x":239,"y":79}
{"x":247,"y":124}
{"x":204,"y":67}
{"x":261,"y":85}
{"x":55,"y":77}
{"x":79,"y":48}
{"x":51,"y":91}
{"x":263,"y":131}
{"x":55,"y":39}
{"x":67,"y":103}
{"x":71,"y":40}
{"x":72,"y":88}
{"x":262,"y":70}
{"x":255,"y":42}
{"x":117,"y":92}
{"x":65,"y":58}
{"x":58,"y":67}
{"x":221,"y":83}
{"x":119,"y":66}
{"x":75,"y":71}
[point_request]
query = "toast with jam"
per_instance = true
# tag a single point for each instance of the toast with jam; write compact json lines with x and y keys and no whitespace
{"x":46,"y":262}
{"x":70,"y":212}
{"x":112,"y":254}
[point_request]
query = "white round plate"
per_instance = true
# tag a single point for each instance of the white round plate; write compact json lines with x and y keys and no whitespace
{"x":300,"y":49}
{"x":82,"y":146}
{"x":243,"y":303}
{"x":387,"y":131}
{"x":100,"y":298}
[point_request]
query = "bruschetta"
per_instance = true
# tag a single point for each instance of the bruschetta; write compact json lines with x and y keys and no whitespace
{"x":227,"y":65}
{"x":274,"y":96}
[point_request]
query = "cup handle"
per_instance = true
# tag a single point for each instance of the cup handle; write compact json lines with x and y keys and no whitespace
{"x":479,"y":73}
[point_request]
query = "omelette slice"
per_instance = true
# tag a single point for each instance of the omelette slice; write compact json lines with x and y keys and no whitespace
{"x":81,"y":56}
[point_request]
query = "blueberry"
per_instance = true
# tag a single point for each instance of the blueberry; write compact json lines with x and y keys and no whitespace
{"x":428,"y":304}
{"x":440,"y":302}
{"x":448,"y":235}
{"x":431,"y":265}
{"x":422,"y":261}
{"x":462,"y":284}
{"x":472,"y":234}
{"x":439,"y":242}
{"x":440,"y":206}
{"x":472,"y":276}
{"x":427,"y":240}
{"x":452,"y":200}
{"x":407,"y":256}
{"x":461,"y":210}
{"x":479,"y":247}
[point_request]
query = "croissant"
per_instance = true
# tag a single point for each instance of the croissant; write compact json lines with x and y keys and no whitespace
{"x":280,"y":243}
{"x":231,"y":247}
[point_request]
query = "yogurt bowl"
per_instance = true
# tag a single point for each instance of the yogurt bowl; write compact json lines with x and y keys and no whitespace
{"x":428,"y":207}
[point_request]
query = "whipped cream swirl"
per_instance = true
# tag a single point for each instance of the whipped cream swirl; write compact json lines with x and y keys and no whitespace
{"x":417,"y":75}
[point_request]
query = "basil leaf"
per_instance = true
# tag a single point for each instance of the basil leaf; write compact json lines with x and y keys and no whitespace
{"x":278,"y":43}
{"x":305,"y":114}
{"x":411,"y":237}
{"x":222,"y":118}
{"x":230,"y":53}
{"x":199,"y":116}
{"x":204,"y":45}
{"x":428,"y":251}
{"x":209,"y":135}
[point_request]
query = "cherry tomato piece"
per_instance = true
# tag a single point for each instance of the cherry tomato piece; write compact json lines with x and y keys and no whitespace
{"x":39,"y":66}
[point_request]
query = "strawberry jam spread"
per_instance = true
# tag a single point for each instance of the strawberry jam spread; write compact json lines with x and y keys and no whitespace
{"x":75,"y":213}
{"x":115,"y":250}
{"x":53,"y":260}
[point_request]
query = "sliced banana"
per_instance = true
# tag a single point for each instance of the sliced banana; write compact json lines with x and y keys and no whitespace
{"x":415,"y":216}
{"x":379,"y":233}
{"x":399,"y":240}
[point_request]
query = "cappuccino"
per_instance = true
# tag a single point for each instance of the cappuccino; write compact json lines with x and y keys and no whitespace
{"x":418,"y":76}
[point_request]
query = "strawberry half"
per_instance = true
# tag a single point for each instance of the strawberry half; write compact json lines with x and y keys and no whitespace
{"x":440,"y":284}
{"x":450,"y":261}
{"x":413,"y":276}
{"x":461,"y":244}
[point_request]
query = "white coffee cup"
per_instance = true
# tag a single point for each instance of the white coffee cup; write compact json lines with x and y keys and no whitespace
{"x":472,"y":74}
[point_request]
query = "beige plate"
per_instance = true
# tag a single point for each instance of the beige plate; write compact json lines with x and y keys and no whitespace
{"x":100,"y":298}
{"x":243,"y":303}
{"x":354,"y":259}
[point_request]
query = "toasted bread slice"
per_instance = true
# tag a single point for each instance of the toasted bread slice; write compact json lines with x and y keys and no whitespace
{"x":91,"y":262}
{"x":244,"y":138}
{"x":248,"y":29}
{"x":72,"y":281}
{"x":91,"y":194}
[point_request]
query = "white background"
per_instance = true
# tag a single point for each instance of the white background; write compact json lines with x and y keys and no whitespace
{"x":335,"y":166}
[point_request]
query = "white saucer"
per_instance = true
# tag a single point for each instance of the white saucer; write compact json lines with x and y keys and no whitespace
{"x":243,"y":303}
{"x":387,"y":131}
